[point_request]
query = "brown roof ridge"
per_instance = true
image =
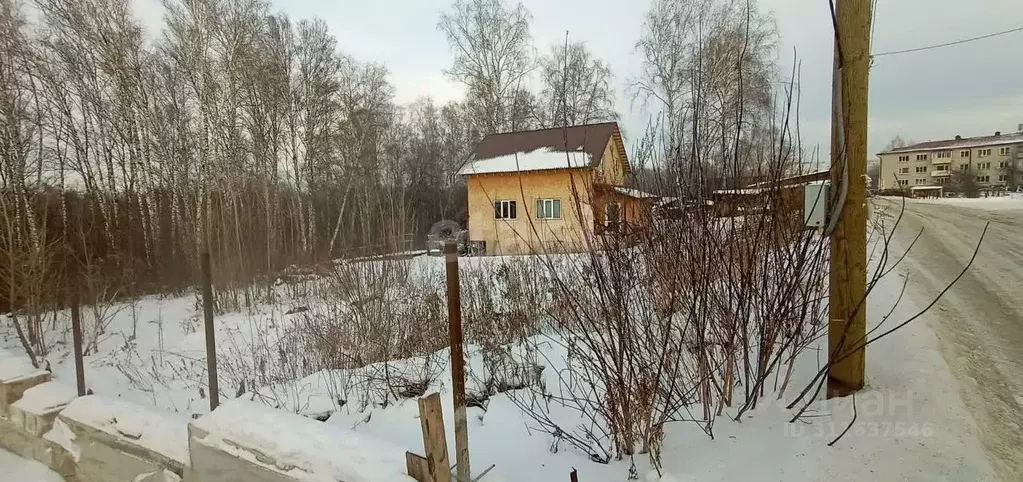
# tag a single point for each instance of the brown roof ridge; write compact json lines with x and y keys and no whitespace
{"x":541,"y":129}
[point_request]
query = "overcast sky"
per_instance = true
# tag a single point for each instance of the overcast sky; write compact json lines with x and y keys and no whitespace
{"x":970,"y":89}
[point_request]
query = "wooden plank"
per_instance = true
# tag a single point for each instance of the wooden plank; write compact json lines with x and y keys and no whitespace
{"x":417,"y":467}
{"x":434,"y":440}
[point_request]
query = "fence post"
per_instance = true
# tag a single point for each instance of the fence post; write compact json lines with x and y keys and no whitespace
{"x":76,"y":338}
{"x":211,"y":342}
{"x":457,"y":362}
{"x":431,"y":417}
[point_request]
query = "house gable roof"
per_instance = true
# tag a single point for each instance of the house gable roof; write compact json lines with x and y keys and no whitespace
{"x":537,"y":150}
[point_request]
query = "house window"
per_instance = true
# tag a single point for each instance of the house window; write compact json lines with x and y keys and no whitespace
{"x":983,"y":178}
{"x":943,"y":167}
{"x":983,"y":165}
{"x":1001,"y":165}
{"x":903,"y":170}
{"x":612,"y":214}
{"x":1001,"y":177}
{"x":921,"y":168}
{"x":903,"y":182}
{"x":920,"y":181}
{"x":983,"y":152}
{"x":1003,"y":151}
{"x":964,"y":167}
{"x":942,"y":180}
{"x":944,"y":154}
{"x":904,"y":158}
{"x":921,"y":157}
{"x":504,"y":210}
{"x":548,"y":209}
{"x":964,"y":153}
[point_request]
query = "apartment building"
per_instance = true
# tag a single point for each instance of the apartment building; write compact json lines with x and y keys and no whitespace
{"x":932,"y":163}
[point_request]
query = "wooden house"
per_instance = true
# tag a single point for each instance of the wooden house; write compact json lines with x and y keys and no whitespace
{"x":551,"y":190}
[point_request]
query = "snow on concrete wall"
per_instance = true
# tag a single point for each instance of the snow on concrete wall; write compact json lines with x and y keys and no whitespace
{"x":244,"y":440}
{"x":39,"y":406}
{"x":17,"y":375}
{"x":116,"y":440}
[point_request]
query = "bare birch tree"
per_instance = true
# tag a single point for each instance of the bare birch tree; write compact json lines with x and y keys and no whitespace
{"x":491,"y":43}
{"x":577,"y":88}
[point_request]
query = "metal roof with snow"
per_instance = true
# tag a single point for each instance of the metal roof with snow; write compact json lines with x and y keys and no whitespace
{"x":543,"y":149}
{"x":633,"y":193}
{"x":962,"y":143}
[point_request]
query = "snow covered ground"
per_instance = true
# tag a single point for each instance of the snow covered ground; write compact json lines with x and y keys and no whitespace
{"x":17,"y":469}
{"x":910,"y":422}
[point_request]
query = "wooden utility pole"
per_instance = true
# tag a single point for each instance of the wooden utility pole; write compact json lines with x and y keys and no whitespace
{"x":457,"y":362}
{"x":847,"y":311}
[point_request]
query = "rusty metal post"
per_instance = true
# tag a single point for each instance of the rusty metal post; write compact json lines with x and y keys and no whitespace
{"x":76,"y":338}
{"x":457,"y":362}
{"x":211,"y":341}
{"x":573,"y":476}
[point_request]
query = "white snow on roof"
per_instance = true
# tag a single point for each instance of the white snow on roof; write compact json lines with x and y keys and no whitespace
{"x":964,"y":143}
{"x":537,"y":160}
{"x":636,"y":193}
{"x":311,"y":450}
{"x":925,"y":188}
{"x":739,"y":191}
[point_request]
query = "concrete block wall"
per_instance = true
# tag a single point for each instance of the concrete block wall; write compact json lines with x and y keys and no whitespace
{"x":78,"y":437}
{"x":92,"y":439}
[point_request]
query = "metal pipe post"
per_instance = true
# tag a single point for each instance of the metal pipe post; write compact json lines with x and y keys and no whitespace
{"x":457,"y":362}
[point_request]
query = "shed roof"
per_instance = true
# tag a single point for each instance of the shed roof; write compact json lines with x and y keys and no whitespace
{"x":536,"y":150}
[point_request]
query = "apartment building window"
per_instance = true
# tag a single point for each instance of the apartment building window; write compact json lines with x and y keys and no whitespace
{"x":1003,"y":151}
{"x":964,"y":167}
{"x":903,"y":182}
{"x":1001,"y":177}
{"x":983,"y":152}
{"x":942,"y":180}
{"x":921,"y":157}
{"x":983,"y":178}
{"x":504,"y":210}
{"x":903,"y":170}
{"x":548,"y":209}
{"x":983,"y":165}
{"x":944,"y":154}
{"x":904,"y":158}
{"x":964,"y":153}
{"x":921,"y":168}
{"x":920,"y":181}
{"x":1001,"y":165}
{"x":943,"y":167}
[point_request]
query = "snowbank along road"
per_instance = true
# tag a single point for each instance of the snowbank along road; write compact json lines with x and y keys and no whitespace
{"x":979,"y":322}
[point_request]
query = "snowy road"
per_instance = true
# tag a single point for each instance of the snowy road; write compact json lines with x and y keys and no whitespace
{"x":980,"y":321}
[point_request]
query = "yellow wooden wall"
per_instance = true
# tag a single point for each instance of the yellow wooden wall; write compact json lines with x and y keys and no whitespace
{"x":612,"y":169}
{"x":526,"y":234}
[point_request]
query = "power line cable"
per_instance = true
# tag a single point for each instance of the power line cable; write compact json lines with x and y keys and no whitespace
{"x":948,"y":44}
